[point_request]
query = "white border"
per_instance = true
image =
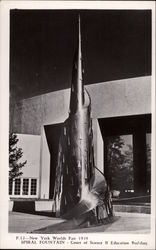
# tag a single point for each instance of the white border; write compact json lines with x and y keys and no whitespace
{"x":8,"y":240}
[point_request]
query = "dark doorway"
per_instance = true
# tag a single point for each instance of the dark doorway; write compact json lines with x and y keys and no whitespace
{"x":138,"y":127}
{"x":53,"y":135}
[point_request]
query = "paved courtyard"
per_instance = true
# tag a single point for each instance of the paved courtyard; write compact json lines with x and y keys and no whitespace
{"x":126,"y":223}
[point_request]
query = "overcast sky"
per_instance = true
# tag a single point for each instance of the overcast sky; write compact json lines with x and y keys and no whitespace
{"x":115,"y":45}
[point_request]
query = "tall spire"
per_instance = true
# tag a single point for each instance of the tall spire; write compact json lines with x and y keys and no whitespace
{"x":77,"y":89}
{"x":78,"y":186}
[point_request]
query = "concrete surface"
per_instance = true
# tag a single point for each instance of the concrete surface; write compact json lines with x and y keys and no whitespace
{"x":22,"y":222}
{"x":145,"y":209}
{"x":127,"y":223}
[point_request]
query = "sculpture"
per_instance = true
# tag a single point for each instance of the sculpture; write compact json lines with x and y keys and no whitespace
{"x":81,"y":190}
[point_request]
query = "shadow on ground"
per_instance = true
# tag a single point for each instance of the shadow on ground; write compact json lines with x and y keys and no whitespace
{"x":83,"y":222}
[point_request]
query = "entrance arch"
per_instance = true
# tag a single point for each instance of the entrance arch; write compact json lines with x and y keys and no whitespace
{"x":137,"y":126}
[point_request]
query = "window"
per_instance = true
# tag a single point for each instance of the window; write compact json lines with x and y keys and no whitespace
{"x":25,"y":186}
{"x":10,"y":186}
{"x":33,"y":186}
{"x":17,"y":186}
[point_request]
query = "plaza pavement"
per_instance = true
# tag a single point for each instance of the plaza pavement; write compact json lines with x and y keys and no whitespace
{"x":126,"y":223}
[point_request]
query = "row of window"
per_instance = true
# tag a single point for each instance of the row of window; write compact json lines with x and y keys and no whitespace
{"x":23,"y":186}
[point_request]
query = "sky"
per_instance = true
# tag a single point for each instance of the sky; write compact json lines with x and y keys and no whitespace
{"x":116,"y":44}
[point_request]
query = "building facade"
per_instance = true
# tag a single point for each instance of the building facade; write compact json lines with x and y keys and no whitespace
{"x":121,"y":107}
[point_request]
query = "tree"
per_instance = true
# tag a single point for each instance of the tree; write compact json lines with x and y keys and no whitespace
{"x":15,"y":154}
{"x":120,"y":164}
{"x":115,"y":159}
{"x":127,"y":169}
{"x":148,"y":153}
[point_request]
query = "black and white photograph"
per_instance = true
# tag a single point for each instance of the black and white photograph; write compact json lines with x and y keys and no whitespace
{"x":80,"y":127}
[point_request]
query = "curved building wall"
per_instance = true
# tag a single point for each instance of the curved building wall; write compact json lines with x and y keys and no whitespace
{"x":109,"y":99}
